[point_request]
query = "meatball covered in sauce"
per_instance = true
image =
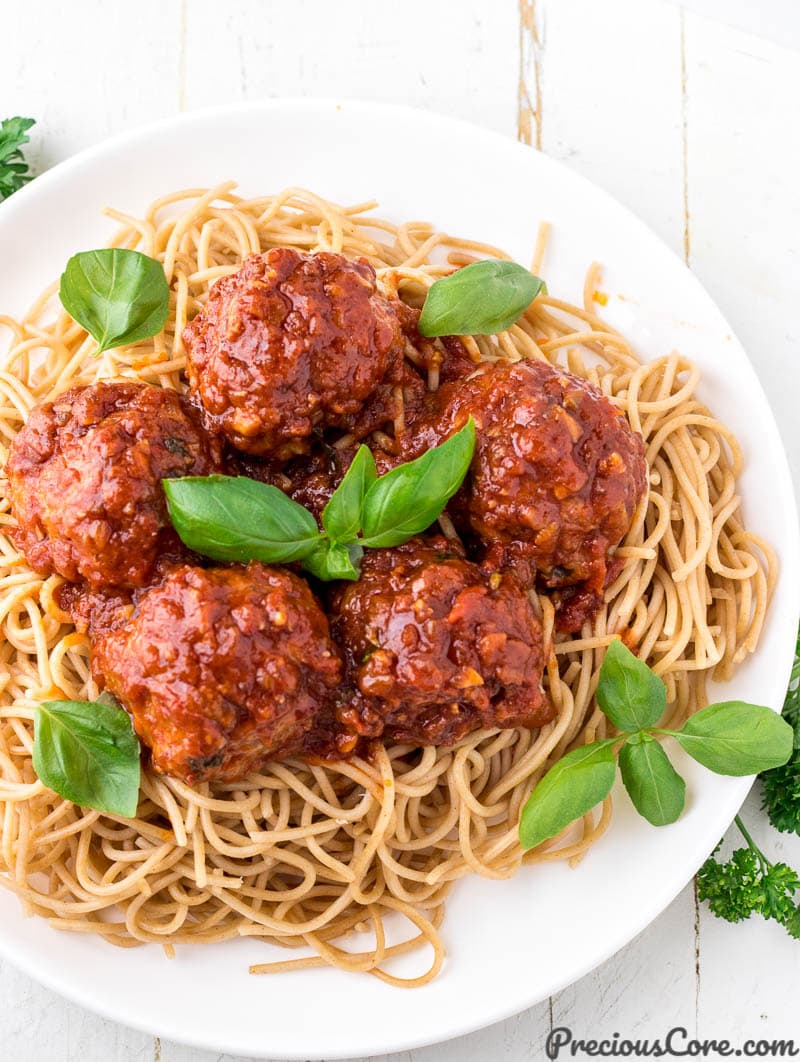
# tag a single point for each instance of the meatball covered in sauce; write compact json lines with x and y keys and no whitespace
{"x":290,"y":343}
{"x":85,"y":480}
{"x":220,"y":668}
{"x":428,"y":362}
{"x":435,"y":648}
{"x":557,"y":475}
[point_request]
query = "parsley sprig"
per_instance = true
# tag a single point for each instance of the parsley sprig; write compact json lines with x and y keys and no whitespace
{"x":781,"y":785}
{"x":748,"y":882}
{"x":13,"y":167}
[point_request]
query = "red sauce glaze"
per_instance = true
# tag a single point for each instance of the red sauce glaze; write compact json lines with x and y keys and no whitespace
{"x":226,"y":668}
{"x":85,"y":480}
{"x":577,"y":604}
{"x":435,"y":648}
{"x":220,"y":668}
{"x":312,"y":477}
{"x":290,"y":343}
{"x":408,"y":393}
{"x":94,"y":611}
{"x":557,"y":475}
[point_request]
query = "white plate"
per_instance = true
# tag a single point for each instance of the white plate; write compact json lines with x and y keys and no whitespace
{"x":509,"y":944}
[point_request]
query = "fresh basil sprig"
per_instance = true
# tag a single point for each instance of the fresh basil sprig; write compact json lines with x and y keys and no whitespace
{"x":233,"y":518}
{"x":342,"y":516}
{"x":734,"y":737}
{"x":656,"y":789}
{"x":409,"y":498}
{"x":572,"y":787}
{"x":731,"y":738}
{"x":118,"y":296}
{"x":331,"y":561}
{"x":631,"y":696}
{"x":88,"y":753}
{"x":480,"y":299}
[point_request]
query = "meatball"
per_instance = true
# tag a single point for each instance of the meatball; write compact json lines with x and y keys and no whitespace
{"x":557,"y":475}
{"x":220,"y":668}
{"x":85,"y":480}
{"x":96,"y":611}
{"x":435,"y":648}
{"x":291,"y":343}
{"x":438,"y":361}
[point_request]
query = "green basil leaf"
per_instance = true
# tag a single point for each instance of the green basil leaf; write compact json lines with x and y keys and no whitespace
{"x":88,"y":753}
{"x":118,"y":296}
{"x":628,"y":692}
{"x":657,"y":790}
{"x":480,"y":299}
{"x":233,"y":518}
{"x":409,"y":498}
{"x":736,"y":738}
{"x":341,"y":517}
{"x":331,"y":561}
{"x":573,"y":786}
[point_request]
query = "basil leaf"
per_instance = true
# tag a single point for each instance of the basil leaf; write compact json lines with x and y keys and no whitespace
{"x":233,"y":518}
{"x":479,"y":299}
{"x":628,"y":692}
{"x":573,"y":786}
{"x":657,"y":790}
{"x":736,"y":738}
{"x":341,"y":517}
{"x":118,"y":296}
{"x":88,"y":753}
{"x":409,"y":498}
{"x":331,"y":561}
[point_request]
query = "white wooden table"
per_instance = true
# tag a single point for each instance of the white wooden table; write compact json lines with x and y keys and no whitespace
{"x":691,"y":124}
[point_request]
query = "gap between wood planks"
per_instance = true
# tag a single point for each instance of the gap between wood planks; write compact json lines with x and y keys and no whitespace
{"x":529,"y":91}
{"x":687,"y":243}
{"x":182,"y":39}
{"x":687,"y":252}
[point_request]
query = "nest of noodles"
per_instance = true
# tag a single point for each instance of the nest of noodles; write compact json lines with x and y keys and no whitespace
{"x":302,"y":855}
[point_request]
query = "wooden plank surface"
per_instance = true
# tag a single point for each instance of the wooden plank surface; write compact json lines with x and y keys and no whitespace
{"x":689,"y":123}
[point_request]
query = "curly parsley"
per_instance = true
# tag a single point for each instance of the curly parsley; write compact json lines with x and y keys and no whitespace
{"x":781,"y":785}
{"x":748,"y":883}
{"x":13,"y":167}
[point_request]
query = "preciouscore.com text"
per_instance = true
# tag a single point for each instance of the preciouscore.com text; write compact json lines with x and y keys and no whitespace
{"x":676,"y":1044}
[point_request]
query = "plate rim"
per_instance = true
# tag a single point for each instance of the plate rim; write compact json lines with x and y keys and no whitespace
{"x":738,"y":788}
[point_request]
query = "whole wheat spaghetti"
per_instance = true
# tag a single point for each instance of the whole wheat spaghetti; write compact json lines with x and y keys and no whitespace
{"x":300,"y":855}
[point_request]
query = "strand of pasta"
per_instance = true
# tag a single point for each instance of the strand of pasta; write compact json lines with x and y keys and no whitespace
{"x":300,"y":855}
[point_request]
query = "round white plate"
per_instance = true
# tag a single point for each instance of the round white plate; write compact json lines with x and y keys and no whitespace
{"x":509,"y":944}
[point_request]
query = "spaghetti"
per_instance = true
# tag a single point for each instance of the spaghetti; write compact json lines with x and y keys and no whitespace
{"x":301,"y":855}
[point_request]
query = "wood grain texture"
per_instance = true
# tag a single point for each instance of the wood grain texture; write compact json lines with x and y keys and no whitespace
{"x":437,"y":55}
{"x":743,"y":158}
{"x":529,"y":93}
{"x":690,"y":124}
{"x":750,"y":972}
{"x":38,"y":1026}
{"x":88,"y":70}
{"x":611,"y":86}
